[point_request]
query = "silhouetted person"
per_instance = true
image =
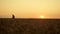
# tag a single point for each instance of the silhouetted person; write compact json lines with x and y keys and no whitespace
{"x":13,"y":17}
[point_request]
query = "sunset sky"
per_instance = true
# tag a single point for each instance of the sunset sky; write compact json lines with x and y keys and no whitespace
{"x":30,"y":8}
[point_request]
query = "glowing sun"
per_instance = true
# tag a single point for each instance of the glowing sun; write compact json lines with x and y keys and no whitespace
{"x":42,"y":16}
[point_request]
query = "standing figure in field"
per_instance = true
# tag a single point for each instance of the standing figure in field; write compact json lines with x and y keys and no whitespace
{"x":13,"y":17}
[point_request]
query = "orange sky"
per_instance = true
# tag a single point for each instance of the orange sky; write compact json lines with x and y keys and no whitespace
{"x":30,"y":8}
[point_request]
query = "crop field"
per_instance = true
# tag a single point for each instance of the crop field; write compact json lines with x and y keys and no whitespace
{"x":29,"y":26}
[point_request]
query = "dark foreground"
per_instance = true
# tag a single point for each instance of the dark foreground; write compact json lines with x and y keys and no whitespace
{"x":29,"y":26}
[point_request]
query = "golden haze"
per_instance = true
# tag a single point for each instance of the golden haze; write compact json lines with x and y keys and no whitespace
{"x":30,"y":8}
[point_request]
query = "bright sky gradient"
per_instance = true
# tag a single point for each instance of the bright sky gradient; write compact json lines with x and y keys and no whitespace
{"x":30,"y":8}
